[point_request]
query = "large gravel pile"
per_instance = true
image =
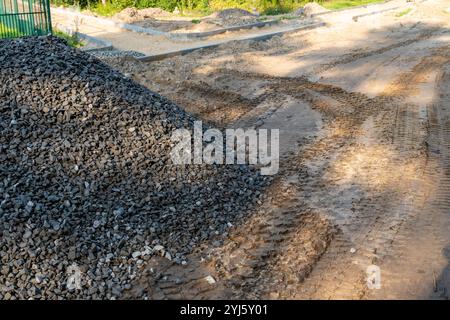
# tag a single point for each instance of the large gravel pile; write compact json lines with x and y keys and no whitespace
{"x":86,"y":179}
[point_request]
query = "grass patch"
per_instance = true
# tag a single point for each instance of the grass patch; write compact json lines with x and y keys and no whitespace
{"x":273,"y":11}
{"x":106,"y":11}
{"x":196,"y":21}
{"x":8,"y":32}
{"x":403,"y":13}
{"x":342,"y":4}
{"x":71,"y":40}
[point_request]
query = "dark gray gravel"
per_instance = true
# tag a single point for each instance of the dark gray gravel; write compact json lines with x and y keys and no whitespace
{"x":115,"y":53}
{"x":86,"y":177}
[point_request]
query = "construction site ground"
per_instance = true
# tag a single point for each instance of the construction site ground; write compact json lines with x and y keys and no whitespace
{"x":363,"y":109}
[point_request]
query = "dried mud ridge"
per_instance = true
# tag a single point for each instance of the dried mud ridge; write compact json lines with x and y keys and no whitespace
{"x":327,"y":223}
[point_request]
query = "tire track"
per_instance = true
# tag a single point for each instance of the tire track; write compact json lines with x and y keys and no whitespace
{"x":340,"y":273}
{"x":417,"y":266}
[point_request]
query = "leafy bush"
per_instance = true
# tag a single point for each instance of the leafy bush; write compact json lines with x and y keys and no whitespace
{"x":262,"y":6}
{"x":72,"y":40}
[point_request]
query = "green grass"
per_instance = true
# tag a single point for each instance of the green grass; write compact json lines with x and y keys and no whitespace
{"x":8,"y":32}
{"x":403,"y":13}
{"x":342,"y":4}
{"x":195,"y":21}
{"x":106,"y":11}
{"x":72,"y":40}
{"x":273,"y":11}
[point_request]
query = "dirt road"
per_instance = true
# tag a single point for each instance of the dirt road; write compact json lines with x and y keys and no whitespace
{"x":363,"y":110}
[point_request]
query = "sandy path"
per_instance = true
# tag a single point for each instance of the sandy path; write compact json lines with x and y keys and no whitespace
{"x":158,"y":44}
{"x":364,"y":168}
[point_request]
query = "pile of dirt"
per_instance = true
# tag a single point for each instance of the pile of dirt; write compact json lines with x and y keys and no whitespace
{"x":130,"y":15}
{"x":150,"y":18}
{"x":232,"y":17}
{"x":86,"y":180}
{"x":127,"y":15}
{"x":310,"y":9}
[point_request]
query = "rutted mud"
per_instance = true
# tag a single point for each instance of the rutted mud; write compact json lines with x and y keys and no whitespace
{"x":364,"y":178}
{"x":393,"y":162}
{"x":320,"y":197}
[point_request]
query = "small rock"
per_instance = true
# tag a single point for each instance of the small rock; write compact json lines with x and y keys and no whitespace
{"x":97,"y":224}
{"x":55,"y":225}
{"x":210,"y":280}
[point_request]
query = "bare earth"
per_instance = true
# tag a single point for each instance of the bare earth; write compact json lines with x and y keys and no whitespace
{"x":363,"y":110}
{"x":158,"y":44}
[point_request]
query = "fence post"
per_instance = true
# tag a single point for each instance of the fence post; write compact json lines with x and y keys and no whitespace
{"x":49,"y":19}
{"x":31,"y":21}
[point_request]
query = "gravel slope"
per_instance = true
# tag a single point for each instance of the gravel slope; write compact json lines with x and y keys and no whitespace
{"x":86,"y":176}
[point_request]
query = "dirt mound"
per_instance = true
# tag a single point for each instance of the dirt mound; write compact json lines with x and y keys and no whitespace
{"x":232,"y":17}
{"x":133,"y":15}
{"x":231,"y":13}
{"x":86,"y":177}
{"x":310,"y":9}
{"x":127,"y":15}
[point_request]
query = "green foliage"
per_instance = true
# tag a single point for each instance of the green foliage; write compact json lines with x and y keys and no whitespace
{"x":272,"y":11}
{"x":107,"y":10}
{"x":268,"y":7}
{"x":341,"y":4}
{"x":9,"y":32}
{"x":71,"y":40}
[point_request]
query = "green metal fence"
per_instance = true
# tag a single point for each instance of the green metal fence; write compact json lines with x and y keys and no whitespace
{"x":20,"y":18}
